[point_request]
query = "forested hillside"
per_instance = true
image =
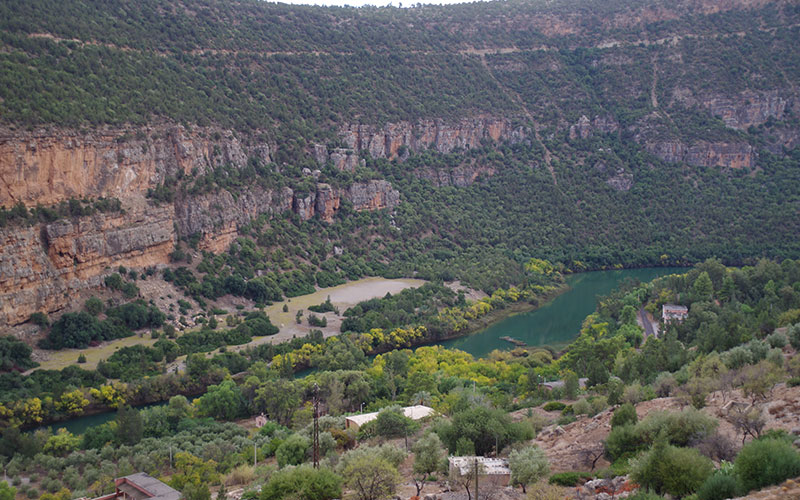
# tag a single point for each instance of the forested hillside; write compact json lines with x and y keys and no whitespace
{"x":448,"y":142}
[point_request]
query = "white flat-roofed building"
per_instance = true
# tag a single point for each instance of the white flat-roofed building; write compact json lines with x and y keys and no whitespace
{"x":416,"y":412}
{"x":493,"y":469}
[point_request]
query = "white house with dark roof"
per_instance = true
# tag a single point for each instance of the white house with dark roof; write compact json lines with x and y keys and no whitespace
{"x":673,"y":312}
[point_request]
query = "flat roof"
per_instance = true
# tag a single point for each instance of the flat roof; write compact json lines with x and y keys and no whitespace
{"x":415,"y":412}
{"x":491,"y":466}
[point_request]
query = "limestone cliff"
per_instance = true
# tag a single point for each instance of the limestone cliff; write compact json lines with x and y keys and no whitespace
{"x":49,"y":166}
{"x":42,"y":265}
{"x":441,"y":136}
{"x":217,"y":216}
{"x":704,"y":154}
{"x":460,"y":176}
{"x":745,"y":109}
{"x":586,"y":128}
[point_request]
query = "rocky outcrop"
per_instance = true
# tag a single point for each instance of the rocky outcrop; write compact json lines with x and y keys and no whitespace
{"x":749,"y":108}
{"x":217,"y":216}
{"x":372,"y":195}
{"x":586,"y":128}
{"x":341,"y":158}
{"x":460,"y":176}
{"x":42,"y":265}
{"x":704,"y":154}
{"x":618,"y":178}
{"x":47,"y":167}
{"x":326,"y":200}
{"x":393,"y":139}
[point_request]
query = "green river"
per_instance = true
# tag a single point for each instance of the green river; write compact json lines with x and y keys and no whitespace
{"x":555,"y":323}
{"x":559,"y":321}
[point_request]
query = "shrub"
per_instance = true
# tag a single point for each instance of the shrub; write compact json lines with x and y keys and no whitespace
{"x":623,"y":441}
{"x":794,"y":336}
{"x":777,"y":340}
{"x":718,"y":486}
{"x":765,"y":462}
{"x":317,"y":321}
{"x":292,"y":451}
{"x":625,"y":414}
{"x":391,"y":422}
{"x":680,"y":427}
{"x":793,"y":382}
{"x":303,"y":482}
{"x":673,"y":470}
{"x":554,"y":406}
{"x":93,"y":305}
{"x":582,"y":407}
{"x":39,"y":318}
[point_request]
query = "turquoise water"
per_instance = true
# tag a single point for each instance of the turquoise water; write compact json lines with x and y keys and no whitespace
{"x":559,"y":321}
{"x":555,"y":323}
{"x":81,"y":424}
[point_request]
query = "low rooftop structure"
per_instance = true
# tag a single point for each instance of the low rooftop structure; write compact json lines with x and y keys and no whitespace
{"x":674,"y":312}
{"x":141,"y":486}
{"x":560,"y":383}
{"x":415,"y":412}
{"x":494,"y":469}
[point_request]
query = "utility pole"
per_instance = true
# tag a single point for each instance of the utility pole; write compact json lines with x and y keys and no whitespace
{"x":476,"y":479}
{"x":315,"y":450}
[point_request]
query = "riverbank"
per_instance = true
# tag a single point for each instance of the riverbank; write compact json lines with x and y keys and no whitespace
{"x":554,"y":321}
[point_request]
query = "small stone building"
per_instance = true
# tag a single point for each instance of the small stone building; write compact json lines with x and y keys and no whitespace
{"x":493,"y":470}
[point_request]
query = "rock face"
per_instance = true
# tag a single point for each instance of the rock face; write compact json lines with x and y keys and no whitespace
{"x":341,"y":158}
{"x":41,"y":265}
{"x":441,"y":136}
{"x":460,"y":176}
{"x":746,"y":109}
{"x":50,"y":166}
{"x":586,"y":128}
{"x":326,"y":200}
{"x":217,"y":216}
{"x":705,"y":154}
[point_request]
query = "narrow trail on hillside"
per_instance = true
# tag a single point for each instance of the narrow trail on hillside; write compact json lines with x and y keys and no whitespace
{"x":653,"y":94}
{"x":521,"y":103}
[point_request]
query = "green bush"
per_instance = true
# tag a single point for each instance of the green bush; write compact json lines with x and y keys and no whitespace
{"x":718,"y":486}
{"x":764,"y":462}
{"x":680,"y":427}
{"x":624,"y":415}
{"x":623,"y":440}
{"x":777,"y":340}
{"x":391,"y":422}
{"x":554,"y":406}
{"x":303,"y":482}
{"x":673,"y":470}
{"x":794,"y":335}
{"x":293,"y":451}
